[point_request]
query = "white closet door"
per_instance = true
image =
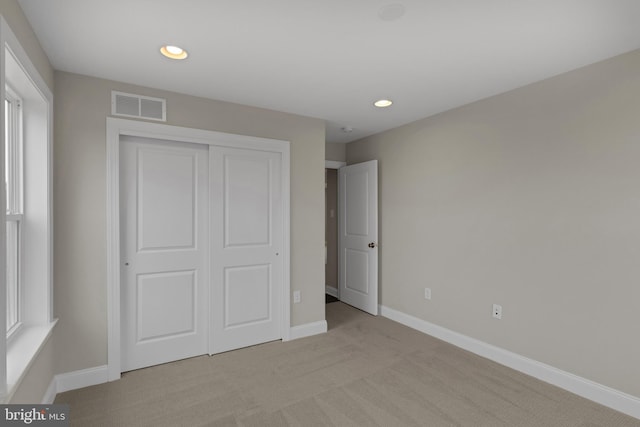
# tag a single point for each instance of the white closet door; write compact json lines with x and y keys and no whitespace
{"x":165,"y":260}
{"x":247,"y":264}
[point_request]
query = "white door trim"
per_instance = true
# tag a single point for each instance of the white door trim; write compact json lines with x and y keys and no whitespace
{"x":118,"y":127}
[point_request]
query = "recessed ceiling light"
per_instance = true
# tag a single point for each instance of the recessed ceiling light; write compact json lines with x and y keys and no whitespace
{"x":173,"y":52}
{"x":382,"y":103}
{"x":346,"y":129}
{"x":391,"y":12}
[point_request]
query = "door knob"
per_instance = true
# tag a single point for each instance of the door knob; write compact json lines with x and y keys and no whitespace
{"x":372,"y":245}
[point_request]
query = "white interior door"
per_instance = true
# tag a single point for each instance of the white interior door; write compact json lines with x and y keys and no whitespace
{"x":164,"y":237}
{"x":358,"y":235}
{"x":246,"y":247}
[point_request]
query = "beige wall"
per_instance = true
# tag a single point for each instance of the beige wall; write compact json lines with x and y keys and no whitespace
{"x":336,"y":152}
{"x":530,"y":199}
{"x":81,"y":106}
{"x":39,"y":376}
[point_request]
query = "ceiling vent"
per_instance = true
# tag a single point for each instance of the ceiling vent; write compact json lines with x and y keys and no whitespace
{"x":142,"y":107}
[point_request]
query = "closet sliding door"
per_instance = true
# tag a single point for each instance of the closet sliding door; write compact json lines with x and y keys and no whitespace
{"x":202,"y":260}
{"x":246,"y":247}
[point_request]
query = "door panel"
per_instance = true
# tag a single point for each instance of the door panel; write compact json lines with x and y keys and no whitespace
{"x":160,"y":228}
{"x":356,"y":191}
{"x":164,"y":235}
{"x":357,"y":270}
{"x":171,"y":289}
{"x":358,"y":235}
{"x":247,"y":191}
{"x":245,"y":248}
{"x":246,"y":295}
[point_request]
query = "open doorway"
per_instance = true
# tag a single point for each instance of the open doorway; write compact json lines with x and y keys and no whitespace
{"x":331,"y":230}
{"x":331,"y":235}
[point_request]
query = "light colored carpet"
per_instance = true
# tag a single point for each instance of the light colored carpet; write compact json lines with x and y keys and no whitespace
{"x":366,"y":371}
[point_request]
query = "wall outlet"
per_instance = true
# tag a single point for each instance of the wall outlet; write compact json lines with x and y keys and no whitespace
{"x":497,"y":311}
{"x":427,"y":293}
{"x":296,"y":297}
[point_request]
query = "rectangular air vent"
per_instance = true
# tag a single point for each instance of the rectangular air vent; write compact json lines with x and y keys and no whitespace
{"x":142,"y":107}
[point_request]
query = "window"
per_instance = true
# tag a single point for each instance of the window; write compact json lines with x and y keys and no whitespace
{"x":27,"y":254}
{"x":14,"y":214}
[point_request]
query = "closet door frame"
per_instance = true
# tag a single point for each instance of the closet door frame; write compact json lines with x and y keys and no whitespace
{"x":122,"y":127}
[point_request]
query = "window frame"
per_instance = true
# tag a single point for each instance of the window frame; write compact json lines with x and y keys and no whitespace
{"x":13,"y":156}
{"x":19,"y":353}
{"x":14,"y":208}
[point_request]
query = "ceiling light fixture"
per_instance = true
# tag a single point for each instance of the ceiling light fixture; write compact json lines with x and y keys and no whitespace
{"x":382,"y":103}
{"x":173,"y":52}
{"x":391,"y":12}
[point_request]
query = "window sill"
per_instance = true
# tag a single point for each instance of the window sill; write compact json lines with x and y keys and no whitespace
{"x":22,"y":351}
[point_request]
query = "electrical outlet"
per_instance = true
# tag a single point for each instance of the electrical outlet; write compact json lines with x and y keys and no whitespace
{"x":427,"y":293}
{"x":497,"y":311}
{"x":296,"y":297}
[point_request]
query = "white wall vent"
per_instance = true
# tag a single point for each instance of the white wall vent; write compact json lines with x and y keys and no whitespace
{"x":142,"y":107}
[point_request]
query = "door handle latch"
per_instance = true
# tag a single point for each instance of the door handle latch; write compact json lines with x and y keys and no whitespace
{"x":372,"y":245}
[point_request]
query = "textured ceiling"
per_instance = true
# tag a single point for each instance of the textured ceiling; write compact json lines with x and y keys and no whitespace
{"x":331,"y":59}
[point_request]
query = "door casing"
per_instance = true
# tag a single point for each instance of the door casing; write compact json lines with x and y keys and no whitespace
{"x":119,"y":127}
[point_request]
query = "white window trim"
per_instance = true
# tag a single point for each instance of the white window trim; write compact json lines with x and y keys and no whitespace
{"x":13,"y":331}
{"x":16,"y":154}
{"x":18,"y":354}
{"x":14,"y":210}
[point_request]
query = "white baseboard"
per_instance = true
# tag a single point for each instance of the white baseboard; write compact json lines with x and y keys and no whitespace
{"x":73,"y":381}
{"x":308,"y":329}
{"x":331,"y":291}
{"x":588,"y":389}
{"x":50,"y":394}
{"x":83,"y":378}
